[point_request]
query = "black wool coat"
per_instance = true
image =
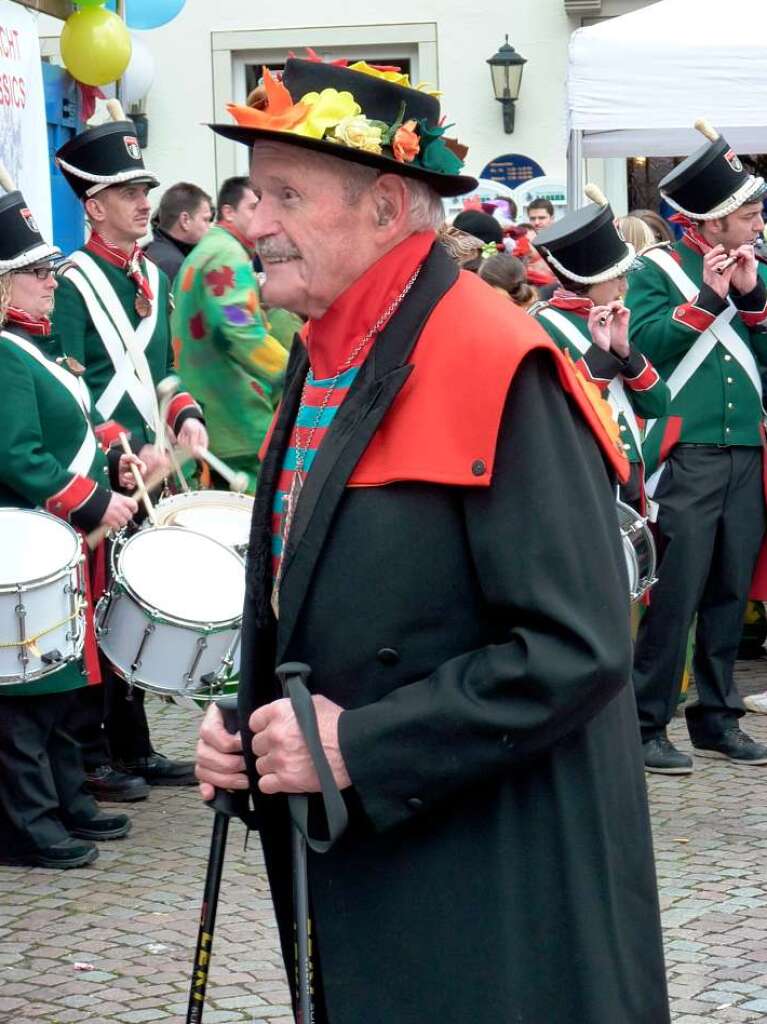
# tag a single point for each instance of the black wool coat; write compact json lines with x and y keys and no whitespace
{"x":498,"y":865}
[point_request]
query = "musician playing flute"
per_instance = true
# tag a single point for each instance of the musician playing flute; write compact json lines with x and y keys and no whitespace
{"x":697,"y":310}
{"x":587,"y":319}
{"x":112,"y":314}
{"x":51,"y":458}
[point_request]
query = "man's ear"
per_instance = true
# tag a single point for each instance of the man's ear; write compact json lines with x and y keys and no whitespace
{"x":184,"y":219}
{"x":94,"y":210}
{"x":391,"y":200}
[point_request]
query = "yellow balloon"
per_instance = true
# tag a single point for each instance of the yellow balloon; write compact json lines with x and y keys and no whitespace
{"x":95,"y":46}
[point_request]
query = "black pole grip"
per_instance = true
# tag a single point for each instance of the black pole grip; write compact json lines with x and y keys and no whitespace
{"x":232,"y":803}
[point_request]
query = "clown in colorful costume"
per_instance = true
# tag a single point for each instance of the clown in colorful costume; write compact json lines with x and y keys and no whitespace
{"x":225,"y":353}
{"x":696,"y":311}
{"x":586,"y":318}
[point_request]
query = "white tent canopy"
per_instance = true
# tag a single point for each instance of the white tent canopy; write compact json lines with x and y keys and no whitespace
{"x":637,"y":83}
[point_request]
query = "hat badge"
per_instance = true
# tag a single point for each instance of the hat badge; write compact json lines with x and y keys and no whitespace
{"x":131,"y":144}
{"x":732,"y":159}
{"x":28,"y":218}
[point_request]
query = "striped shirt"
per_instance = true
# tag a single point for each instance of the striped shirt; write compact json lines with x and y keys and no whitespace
{"x":314,"y":395}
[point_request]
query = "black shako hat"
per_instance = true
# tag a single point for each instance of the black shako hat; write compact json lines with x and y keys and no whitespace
{"x":585,"y":246}
{"x":106,"y":155}
{"x":711,"y":182}
{"x":371,"y":136}
{"x":21,"y":244}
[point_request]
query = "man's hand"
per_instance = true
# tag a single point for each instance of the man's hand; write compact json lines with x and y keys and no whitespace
{"x":600,"y":332}
{"x":619,"y":330}
{"x":713,"y":261}
{"x":282,"y":758}
{"x":219,"y":756}
{"x":193,"y":435}
{"x":119,"y":512}
{"x":745,"y":274}
{"x":155,"y":461}
{"x":124,"y":473}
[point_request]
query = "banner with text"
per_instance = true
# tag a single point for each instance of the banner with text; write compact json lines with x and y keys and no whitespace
{"x":23,"y":128}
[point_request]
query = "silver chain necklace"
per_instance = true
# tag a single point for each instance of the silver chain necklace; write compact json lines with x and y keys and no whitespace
{"x":290,"y":501}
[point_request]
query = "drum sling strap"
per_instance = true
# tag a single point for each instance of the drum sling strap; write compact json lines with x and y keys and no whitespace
{"x":616,"y":392}
{"x":83,"y":459}
{"x":124,"y":344}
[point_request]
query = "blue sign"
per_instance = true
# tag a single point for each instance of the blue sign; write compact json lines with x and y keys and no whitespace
{"x":512,"y":169}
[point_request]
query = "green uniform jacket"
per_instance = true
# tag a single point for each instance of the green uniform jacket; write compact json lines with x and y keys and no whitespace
{"x":78,"y":337}
{"x":226,"y":356}
{"x":647,"y":393}
{"x":42,"y":428}
{"x":719,"y":404}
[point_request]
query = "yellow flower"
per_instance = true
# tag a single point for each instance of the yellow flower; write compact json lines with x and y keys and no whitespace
{"x":389,"y":74}
{"x":358,"y":133}
{"x":326,"y":109}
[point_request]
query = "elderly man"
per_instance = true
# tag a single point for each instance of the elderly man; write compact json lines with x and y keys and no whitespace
{"x":469,"y":665}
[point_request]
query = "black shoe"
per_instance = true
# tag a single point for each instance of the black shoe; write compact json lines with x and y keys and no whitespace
{"x":68,"y":853}
{"x":662,"y":757}
{"x":734,"y":745}
{"x":158,"y":770}
{"x":103,"y":826}
{"x":107,"y":784}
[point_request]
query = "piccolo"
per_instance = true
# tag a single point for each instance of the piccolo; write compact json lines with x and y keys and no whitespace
{"x":727,"y":264}
{"x":603,"y":321}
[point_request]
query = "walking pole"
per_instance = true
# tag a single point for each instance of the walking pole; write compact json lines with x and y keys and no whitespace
{"x":293,"y":676}
{"x":226,"y":804}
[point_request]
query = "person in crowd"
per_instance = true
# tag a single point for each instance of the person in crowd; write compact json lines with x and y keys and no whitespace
{"x":540,"y":214}
{"x":508,"y":275}
{"x":112,"y":315}
{"x":660,"y":228}
{"x":184,"y":215}
{"x":469,"y":663}
{"x":637,"y":232}
{"x":50,"y":459}
{"x":697,"y":310}
{"x":225,"y":353}
{"x":586,"y":317}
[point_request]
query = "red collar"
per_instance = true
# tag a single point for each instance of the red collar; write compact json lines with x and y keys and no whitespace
{"x":20,"y":318}
{"x":249,"y":247}
{"x":692,"y":237}
{"x":129,"y":262}
{"x":332,"y":338}
{"x":581,"y":305}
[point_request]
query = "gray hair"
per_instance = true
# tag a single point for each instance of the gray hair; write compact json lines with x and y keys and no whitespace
{"x":6,"y":281}
{"x":425,"y":206}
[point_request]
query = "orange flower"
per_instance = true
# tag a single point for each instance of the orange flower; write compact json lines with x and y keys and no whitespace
{"x":405,"y":144}
{"x":281,"y":113}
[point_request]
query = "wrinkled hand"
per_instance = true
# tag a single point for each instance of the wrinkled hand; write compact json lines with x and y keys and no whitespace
{"x":619,"y":330}
{"x":282,"y":758}
{"x":745,"y":273}
{"x":600,"y":332}
{"x":119,"y":512}
{"x":124,"y":473}
{"x":193,"y":435}
{"x":155,"y":461}
{"x":220,"y":763}
{"x":720,"y":283}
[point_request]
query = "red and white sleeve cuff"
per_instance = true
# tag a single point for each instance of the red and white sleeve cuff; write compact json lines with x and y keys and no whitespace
{"x":647,"y":378}
{"x":694,"y":317}
{"x":108,"y":434}
{"x":182,"y":405}
{"x":583,"y":368}
{"x":69,"y":499}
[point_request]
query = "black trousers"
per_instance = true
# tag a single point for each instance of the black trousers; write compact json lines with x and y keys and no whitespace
{"x":41,"y":772}
{"x":710,"y":527}
{"x":110,"y":722}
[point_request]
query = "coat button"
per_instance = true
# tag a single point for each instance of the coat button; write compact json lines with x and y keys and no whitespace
{"x":506,"y":740}
{"x":478,"y":467}
{"x":388,"y":656}
{"x":415,"y":803}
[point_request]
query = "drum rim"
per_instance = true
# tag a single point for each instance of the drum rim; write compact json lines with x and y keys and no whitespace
{"x":42,"y":581}
{"x":42,"y":673}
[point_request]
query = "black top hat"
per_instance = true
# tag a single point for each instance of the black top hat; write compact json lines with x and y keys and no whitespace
{"x":386,"y":141}
{"x":479,"y":224}
{"x":585,"y":247}
{"x":712,"y":181}
{"x":108,"y":154}
{"x":21,"y":244}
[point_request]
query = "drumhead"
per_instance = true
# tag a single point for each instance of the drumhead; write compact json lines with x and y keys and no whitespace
{"x":222,"y":515}
{"x":184,"y":575}
{"x":34,"y":545}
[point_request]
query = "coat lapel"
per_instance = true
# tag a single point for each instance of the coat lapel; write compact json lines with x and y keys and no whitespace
{"x":372,"y":393}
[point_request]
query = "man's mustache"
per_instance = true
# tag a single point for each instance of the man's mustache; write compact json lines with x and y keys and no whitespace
{"x":271,"y":250}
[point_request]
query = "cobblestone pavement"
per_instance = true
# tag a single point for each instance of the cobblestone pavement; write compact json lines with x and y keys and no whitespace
{"x":132,"y":916}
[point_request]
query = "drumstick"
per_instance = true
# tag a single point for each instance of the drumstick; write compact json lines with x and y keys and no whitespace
{"x":95,"y":537}
{"x":140,"y":485}
{"x":237,"y":481}
{"x":166,"y":391}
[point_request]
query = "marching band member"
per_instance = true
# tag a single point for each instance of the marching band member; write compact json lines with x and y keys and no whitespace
{"x":696,"y":310}
{"x":50,"y":458}
{"x":112,"y":314}
{"x":587,"y":319}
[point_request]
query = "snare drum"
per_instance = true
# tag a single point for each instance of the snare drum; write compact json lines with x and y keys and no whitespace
{"x":170,"y":622}
{"x":222,"y":515}
{"x":638,"y":549}
{"x":42,"y":595}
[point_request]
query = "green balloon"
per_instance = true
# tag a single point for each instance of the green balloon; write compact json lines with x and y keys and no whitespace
{"x":89,"y":3}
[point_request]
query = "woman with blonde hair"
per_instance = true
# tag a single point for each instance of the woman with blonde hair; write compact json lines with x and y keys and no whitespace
{"x":636,"y":232}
